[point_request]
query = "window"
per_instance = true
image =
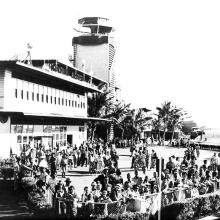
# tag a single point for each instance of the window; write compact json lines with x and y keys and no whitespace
{"x":59,"y":101}
{"x":25,"y":139}
{"x":81,"y":105}
{"x":69,"y":103}
{"x":22,"y":94}
{"x":66,"y":102}
{"x":19,"y":139}
{"x":51,"y":99}
{"x":46,"y":98}
{"x":38,"y":97}
{"x":27,"y":95}
{"x":62,"y":101}
{"x":16,"y":93}
{"x":75,"y":103}
{"x":32,"y":96}
{"x":72,"y":103}
{"x":81,"y":129}
{"x":84,"y":105}
{"x":55,"y":100}
{"x":42,"y":97}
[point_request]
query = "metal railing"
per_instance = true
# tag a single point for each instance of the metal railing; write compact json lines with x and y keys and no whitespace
{"x":89,"y":208}
{"x":145,"y":203}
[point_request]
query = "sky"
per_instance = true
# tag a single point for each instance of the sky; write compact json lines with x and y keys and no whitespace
{"x":166,"y":50}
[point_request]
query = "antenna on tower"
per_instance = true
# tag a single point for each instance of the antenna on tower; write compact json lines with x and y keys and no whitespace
{"x":28,"y":57}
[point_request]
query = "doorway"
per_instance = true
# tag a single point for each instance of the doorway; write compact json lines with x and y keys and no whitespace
{"x":70,"y":139}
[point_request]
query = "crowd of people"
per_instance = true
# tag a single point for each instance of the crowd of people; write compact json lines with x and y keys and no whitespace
{"x":109,"y":186}
{"x":95,"y":154}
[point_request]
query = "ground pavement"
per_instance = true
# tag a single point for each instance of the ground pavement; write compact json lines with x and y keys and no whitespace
{"x":80,"y":176}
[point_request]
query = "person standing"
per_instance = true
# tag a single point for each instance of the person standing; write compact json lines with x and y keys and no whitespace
{"x":82,"y":159}
{"x":53,"y":164}
{"x":214,"y":162}
{"x":63,"y":164}
{"x":75,"y":156}
{"x":71,"y":205}
{"x":78,"y":157}
{"x":115,"y":159}
{"x":134,"y":156}
{"x":218,"y":163}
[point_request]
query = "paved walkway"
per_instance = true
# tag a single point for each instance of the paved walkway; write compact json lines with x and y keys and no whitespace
{"x":12,"y":205}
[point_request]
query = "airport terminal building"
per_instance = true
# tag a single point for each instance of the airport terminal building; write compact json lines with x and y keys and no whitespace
{"x":43,"y":102}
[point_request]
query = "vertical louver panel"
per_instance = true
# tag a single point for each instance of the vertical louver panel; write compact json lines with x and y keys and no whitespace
{"x":74,"y":54}
{"x":2,"y":88}
{"x":111,"y":83}
{"x":111,"y":55}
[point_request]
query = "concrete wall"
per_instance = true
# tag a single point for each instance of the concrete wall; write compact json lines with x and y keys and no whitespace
{"x":78,"y":136}
{"x":5,"y":139}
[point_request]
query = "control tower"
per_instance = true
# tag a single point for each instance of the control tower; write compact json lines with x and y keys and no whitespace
{"x":94,"y":49}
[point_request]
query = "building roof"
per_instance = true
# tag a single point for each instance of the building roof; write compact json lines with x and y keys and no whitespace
{"x":61,"y":71}
{"x":103,"y":24}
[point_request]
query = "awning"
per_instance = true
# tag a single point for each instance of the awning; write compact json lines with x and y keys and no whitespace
{"x":66,"y":116}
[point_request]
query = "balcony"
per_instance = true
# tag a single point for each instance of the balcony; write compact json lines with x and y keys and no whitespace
{"x":55,"y":68}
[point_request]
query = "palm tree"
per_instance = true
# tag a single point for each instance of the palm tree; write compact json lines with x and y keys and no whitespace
{"x":138,"y":120}
{"x":118,"y":112}
{"x":156,"y":126}
{"x":101,"y":105}
{"x":164,"y":116}
{"x":170,"y":118}
{"x":98,"y":105}
{"x":177,"y":116}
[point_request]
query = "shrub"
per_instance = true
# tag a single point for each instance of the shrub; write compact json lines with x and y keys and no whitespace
{"x":39,"y":204}
{"x":28,"y":183}
{"x":7,"y":173}
{"x":192,"y":208}
{"x":126,"y":216}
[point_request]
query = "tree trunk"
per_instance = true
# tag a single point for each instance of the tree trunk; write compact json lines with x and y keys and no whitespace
{"x":172,"y":137}
{"x":159,"y":139}
{"x":164,"y":133}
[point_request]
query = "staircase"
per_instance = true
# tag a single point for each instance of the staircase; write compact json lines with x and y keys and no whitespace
{"x":12,"y":205}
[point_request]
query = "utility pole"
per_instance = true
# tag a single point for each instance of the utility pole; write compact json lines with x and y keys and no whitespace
{"x":159,"y":193}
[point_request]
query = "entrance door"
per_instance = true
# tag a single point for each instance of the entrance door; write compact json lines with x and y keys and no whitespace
{"x":70,"y":139}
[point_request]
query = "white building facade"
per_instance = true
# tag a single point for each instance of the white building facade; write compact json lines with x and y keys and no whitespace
{"x":43,"y":103}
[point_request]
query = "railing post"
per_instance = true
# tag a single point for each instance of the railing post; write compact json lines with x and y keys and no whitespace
{"x":59,"y":208}
{"x":106,"y":209}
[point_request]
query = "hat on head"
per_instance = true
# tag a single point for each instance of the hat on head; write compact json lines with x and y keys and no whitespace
{"x":68,"y":180}
{"x":93,"y":183}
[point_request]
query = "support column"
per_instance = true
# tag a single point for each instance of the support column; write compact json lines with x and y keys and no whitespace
{"x":5,"y":136}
